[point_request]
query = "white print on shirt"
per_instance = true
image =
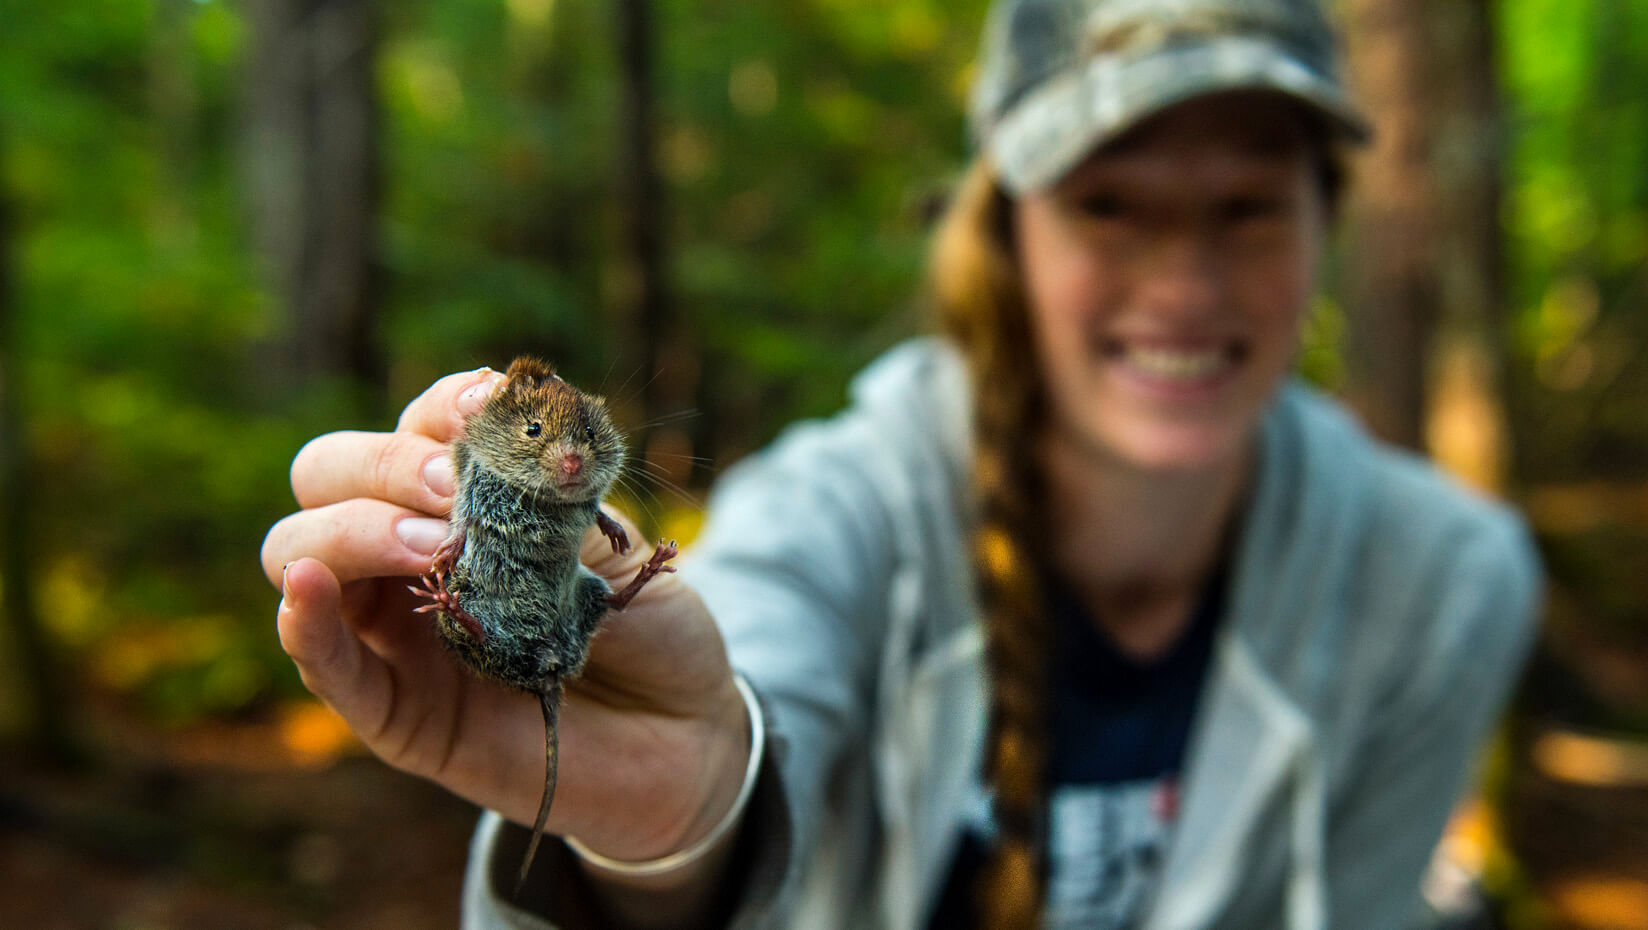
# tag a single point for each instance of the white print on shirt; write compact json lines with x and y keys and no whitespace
{"x":1105,"y":846}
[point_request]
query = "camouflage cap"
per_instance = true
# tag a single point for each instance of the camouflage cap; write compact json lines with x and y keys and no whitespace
{"x":1059,"y":77}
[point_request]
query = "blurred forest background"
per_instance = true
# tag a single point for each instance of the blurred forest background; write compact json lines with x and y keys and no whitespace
{"x":226,"y":227}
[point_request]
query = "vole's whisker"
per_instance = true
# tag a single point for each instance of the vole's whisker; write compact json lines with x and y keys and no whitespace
{"x":660,"y":481}
{"x":680,"y":457}
{"x":664,"y":419}
{"x":638,"y":497}
{"x":610,"y":366}
{"x":643,"y":388}
{"x":620,"y":390}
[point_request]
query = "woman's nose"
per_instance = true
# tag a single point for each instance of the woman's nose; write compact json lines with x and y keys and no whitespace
{"x":1181,"y":273}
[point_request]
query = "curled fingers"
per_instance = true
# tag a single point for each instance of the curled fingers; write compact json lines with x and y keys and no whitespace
{"x":359,"y":538}
{"x":403,"y":468}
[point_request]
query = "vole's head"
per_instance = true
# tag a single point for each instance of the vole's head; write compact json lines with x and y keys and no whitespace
{"x":545,"y":436}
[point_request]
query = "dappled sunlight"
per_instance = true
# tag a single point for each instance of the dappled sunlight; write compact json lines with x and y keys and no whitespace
{"x":1592,"y":760}
{"x":302,"y":735}
{"x":314,"y":734}
{"x":1472,"y":836}
{"x":1601,"y":903}
{"x":1580,"y":507}
{"x":1465,"y":430}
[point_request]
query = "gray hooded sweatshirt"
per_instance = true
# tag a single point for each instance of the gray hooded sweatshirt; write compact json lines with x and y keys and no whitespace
{"x":1376,"y":619}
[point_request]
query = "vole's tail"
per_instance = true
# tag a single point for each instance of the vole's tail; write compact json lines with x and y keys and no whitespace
{"x":550,"y":699}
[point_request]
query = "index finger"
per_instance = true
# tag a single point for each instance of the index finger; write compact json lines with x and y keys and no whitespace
{"x":440,"y":410}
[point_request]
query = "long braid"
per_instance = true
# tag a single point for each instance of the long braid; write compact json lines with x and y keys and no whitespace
{"x":981,"y":306}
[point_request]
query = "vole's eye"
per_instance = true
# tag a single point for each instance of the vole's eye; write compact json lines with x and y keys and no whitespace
{"x":589,"y":433}
{"x":533,"y":429}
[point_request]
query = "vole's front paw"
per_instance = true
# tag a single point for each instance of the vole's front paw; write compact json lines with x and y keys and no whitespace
{"x":618,"y":600}
{"x":610,"y":528}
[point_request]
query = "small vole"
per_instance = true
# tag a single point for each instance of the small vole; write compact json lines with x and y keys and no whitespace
{"x":511,"y":598}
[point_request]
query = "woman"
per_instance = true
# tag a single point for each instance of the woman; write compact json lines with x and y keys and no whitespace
{"x":1080,"y":616}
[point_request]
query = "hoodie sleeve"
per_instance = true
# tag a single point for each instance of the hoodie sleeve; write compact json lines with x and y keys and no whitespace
{"x":1416,"y":760}
{"x":795,"y":566}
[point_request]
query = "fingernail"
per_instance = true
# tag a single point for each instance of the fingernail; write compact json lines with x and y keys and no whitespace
{"x":438,"y":474}
{"x":421,"y":534}
{"x":285,"y":595}
{"x":472,"y":399}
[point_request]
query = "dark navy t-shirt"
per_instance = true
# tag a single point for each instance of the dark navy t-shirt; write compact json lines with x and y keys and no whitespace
{"x":1118,"y":729}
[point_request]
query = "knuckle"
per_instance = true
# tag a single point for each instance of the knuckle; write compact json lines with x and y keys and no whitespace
{"x":393,"y":469}
{"x":386,"y":464}
{"x":307,"y":463}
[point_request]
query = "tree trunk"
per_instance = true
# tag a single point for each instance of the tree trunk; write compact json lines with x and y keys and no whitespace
{"x":1468,"y":427}
{"x":1391,"y":287}
{"x":174,"y":101}
{"x":668,"y":363}
{"x":1425,"y":270}
{"x":35,"y":684}
{"x":312,"y":157}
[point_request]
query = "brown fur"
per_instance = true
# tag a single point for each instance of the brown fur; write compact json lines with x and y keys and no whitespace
{"x":568,"y":420}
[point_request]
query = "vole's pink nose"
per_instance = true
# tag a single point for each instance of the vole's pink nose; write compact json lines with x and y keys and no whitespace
{"x":571,"y":464}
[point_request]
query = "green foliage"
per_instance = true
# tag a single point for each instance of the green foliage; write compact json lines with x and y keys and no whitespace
{"x":793,"y":142}
{"x":1577,"y":224}
{"x":797,"y":142}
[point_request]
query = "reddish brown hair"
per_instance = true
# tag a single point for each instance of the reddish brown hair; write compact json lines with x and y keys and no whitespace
{"x":981,"y":306}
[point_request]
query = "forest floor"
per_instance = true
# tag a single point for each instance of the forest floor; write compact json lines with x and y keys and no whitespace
{"x":263,"y":825}
{"x":1584,"y":851}
{"x":286,"y":824}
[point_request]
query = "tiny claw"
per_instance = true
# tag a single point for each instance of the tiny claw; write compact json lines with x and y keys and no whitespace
{"x":613,"y":532}
{"x":618,"y":600}
{"x":444,"y":601}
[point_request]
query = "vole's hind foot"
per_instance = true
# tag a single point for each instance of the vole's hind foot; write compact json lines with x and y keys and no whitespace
{"x":443,"y":600}
{"x":610,"y":528}
{"x":618,"y":600}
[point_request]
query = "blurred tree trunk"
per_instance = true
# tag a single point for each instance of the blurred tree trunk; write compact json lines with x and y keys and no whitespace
{"x":1425,"y":273}
{"x":1469,"y":421}
{"x":35,"y":686}
{"x":313,"y":164}
{"x":1392,"y":217}
{"x":174,"y":100}
{"x":668,"y":366}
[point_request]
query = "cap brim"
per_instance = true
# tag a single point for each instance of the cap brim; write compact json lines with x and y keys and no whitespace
{"x":1051,"y":130}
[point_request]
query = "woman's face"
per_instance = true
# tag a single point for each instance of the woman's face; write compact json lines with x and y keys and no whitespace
{"x":1168,"y":276}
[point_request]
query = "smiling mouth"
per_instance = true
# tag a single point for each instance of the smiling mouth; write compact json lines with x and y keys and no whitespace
{"x":1179,"y":364}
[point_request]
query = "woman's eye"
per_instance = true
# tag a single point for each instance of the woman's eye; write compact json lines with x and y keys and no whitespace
{"x":1103,"y":206}
{"x":1252,"y":208}
{"x":533,"y":429}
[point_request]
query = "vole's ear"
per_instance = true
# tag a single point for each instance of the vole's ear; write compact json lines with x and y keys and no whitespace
{"x":527,"y":372}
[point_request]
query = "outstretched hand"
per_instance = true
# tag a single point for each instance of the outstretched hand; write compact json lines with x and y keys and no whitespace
{"x":654,"y":736}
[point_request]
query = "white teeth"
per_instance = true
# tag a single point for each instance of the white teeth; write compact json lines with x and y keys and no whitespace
{"x":1170,"y":363}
